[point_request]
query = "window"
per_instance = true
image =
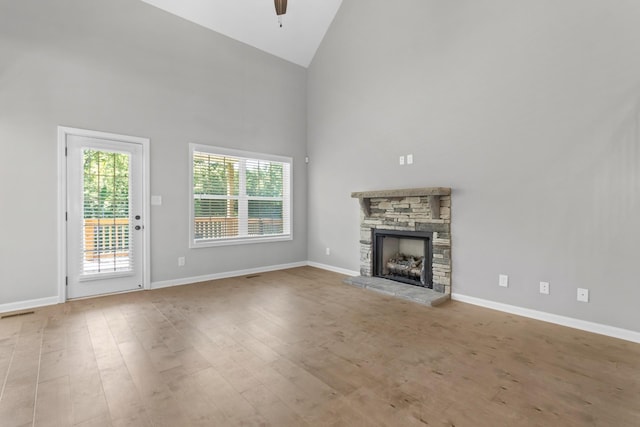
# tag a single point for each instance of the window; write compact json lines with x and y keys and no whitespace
{"x":238,"y":197}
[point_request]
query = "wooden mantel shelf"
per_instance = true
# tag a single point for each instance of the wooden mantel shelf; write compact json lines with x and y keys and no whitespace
{"x":407,"y":192}
{"x":433,"y":193}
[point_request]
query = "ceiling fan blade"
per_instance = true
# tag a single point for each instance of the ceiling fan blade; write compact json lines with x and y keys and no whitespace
{"x":281,"y":7}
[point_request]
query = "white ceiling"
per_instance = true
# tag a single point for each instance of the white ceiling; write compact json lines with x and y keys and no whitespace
{"x":255,"y":23}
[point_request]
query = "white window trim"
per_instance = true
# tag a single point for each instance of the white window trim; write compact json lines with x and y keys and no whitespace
{"x":287,"y":201}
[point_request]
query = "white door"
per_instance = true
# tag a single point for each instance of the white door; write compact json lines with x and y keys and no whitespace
{"x":105,"y":243}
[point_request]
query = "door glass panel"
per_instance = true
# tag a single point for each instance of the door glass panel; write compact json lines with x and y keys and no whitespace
{"x":106,"y":217}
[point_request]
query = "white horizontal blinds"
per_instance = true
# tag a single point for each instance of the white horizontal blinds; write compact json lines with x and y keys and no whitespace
{"x":106,"y":245}
{"x":237,"y":197}
{"x":265,"y":197}
{"x":216,"y":189}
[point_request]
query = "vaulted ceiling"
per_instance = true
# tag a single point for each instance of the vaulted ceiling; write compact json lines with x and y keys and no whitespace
{"x":255,"y":23}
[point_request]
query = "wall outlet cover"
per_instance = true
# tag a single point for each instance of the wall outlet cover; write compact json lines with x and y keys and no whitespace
{"x":544,"y":288}
{"x":503,"y":280}
{"x":583,"y":295}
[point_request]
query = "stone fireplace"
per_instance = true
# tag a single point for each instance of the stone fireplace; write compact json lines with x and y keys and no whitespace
{"x":407,"y":225}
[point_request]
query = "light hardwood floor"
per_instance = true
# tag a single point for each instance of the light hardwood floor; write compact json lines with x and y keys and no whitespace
{"x":297,"y":348}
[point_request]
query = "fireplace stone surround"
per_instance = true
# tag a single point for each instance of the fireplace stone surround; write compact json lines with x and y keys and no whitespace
{"x":415,"y":210}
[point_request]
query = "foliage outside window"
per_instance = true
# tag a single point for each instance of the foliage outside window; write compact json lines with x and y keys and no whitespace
{"x":105,"y":184}
{"x":238,"y":197}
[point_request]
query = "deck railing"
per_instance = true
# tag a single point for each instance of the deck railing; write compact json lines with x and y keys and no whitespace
{"x":106,"y":238}
{"x":109,"y":237}
{"x":217,"y":227}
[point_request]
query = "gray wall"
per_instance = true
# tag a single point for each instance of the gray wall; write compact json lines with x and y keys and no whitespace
{"x":123,"y":66}
{"x":529,"y":110}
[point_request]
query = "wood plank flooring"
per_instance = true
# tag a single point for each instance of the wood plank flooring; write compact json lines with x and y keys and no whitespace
{"x":299,"y":348}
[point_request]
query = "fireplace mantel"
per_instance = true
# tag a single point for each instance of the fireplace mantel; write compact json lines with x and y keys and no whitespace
{"x":433,"y":193}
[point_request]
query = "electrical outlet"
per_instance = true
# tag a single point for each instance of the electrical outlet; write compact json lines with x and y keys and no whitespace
{"x":544,"y":288}
{"x":503,"y":280}
{"x":583,"y":295}
{"x":401,"y":160}
{"x":181,"y":261}
{"x":409,"y":159}
{"x":327,"y":251}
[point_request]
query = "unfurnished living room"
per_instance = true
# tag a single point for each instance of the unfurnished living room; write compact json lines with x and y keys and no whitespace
{"x":320,"y":213}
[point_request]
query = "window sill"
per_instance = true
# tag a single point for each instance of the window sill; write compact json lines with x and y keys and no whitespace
{"x":195,"y":244}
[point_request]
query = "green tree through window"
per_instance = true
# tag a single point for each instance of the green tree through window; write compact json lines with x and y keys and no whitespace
{"x":106,"y":184}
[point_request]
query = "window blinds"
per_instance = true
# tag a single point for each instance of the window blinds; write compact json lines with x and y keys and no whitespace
{"x":237,"y":197}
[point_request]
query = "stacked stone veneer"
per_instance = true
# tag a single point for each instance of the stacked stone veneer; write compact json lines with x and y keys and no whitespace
{"x":427,"y":209}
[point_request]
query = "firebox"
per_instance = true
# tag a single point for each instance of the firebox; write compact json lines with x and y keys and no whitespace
{"x":403,"y":256}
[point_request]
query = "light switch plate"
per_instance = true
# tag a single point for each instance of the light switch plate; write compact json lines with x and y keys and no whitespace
{"x":156,"y":200}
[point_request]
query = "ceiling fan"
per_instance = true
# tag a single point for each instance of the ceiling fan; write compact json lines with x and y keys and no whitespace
{"x":281,"y":9}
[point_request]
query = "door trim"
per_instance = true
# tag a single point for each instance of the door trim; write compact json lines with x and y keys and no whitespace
{"x":63,"y":132}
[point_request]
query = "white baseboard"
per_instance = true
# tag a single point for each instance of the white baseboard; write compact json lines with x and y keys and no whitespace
{"x":332,"y":268}
{"x":583,"y":325}
{"x":224,"y":275}
{"x":28,"y":304}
